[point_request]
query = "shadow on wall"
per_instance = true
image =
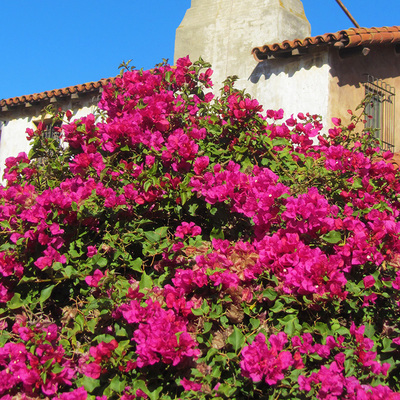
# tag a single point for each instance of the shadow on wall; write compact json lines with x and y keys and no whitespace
{"x":288,"y":65}
{"x":349,"y":67}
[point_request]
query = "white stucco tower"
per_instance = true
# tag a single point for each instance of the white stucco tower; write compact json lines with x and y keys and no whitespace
{"x":223,"y":32}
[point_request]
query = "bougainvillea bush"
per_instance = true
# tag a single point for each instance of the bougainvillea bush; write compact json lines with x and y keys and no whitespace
{"x":183,"y":246}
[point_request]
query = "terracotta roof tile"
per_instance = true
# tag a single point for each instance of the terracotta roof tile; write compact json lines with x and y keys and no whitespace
{"x":36,"y":97}
{"x":347,"y":38}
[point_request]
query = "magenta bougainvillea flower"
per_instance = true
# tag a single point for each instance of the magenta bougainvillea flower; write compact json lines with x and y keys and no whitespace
{"x":263,"y":362}
{"x":187,"y":229}
{"x":181,"y":245}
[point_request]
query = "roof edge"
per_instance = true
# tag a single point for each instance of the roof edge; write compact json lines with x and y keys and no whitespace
{"x":56,"y":93}
{"x":346,"y":38}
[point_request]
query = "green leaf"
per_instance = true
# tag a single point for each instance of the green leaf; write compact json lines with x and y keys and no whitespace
{"x":197,"y":311}
{"x":216,"y":311}
{"x":236,"y":339}
{"x":278,"y":306}
{"x":147,"y":185}
{"x":69,"y":271}
{"x":207,"y":327}
{"x":332,"y":237}
{"x":205,"y":307}
{"x":73,"y":253}
{"x":255,"y":323}
{"x":5,"y":224}
{"x":270,"y":294}
{"x":309,"y":162}
{"x":80,"y":321}
{"x":15,"y":302}
{"x":57,"y":368}
{"x":4,"y":337}
{"x":91,"y":325}
{"x":211,"y":352}
{"x":322,"y":328}
{"x":155,"y":236}
{"x":357,"y":184}
{"x":46,"y":293}
{"x":184,"y":197}
{"x":104,"y":338}
{"x":145,"y":282}
{"x":102,"y":262}
{"x":227,"y":390}
{"x":122,"y":347}
{"x":353,"y":288}
{"x":155,"y":394}
{"x":290,"y":324}
{"x":168,"y":75}
{"x":369,"y":330}
{"x":216,"y":372}
{"x":279,"y":142}
{"x":136,"y":265}
{"x":217,"y":233}
{"x":6,"y":246}
{"x":89,"y":383}
{"x":57,"y":266}
{"x":193,"y":208}
{"x":387,"y":345}
{"x":162,"y":231}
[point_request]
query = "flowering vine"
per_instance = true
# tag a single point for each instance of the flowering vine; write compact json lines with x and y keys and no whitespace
{"x":182,"y":245}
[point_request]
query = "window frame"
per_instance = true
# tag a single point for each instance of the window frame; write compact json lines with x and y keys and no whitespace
{"x":381,"y":107}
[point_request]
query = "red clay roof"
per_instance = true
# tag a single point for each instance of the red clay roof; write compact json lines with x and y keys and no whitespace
{"x":56,"y":93}
{"x":347,"y":38}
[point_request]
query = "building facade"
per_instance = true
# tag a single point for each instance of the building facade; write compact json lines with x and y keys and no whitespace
{"x":325,"y":75}
{"x":335,"y":72}
{"x":22,"y":112}
{"x":258,"y":42}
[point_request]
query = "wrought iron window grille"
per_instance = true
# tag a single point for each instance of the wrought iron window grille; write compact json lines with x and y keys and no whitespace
{"x":381,"y":107}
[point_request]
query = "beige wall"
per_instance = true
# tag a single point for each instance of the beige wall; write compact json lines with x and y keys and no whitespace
{"x":223,"y":32}
{"x":325,"y":82}
{"x":348,"y":74}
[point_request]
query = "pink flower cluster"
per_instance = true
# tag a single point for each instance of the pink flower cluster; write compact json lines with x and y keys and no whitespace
{"x":161,"y":334}
{"x":303,"y":270}
{"x":302,"y":219}
{"x":152,"y":164}
{"x":187,"y":229}
{"x":269,"y":363}
{"x":366,"y":357}
{"x":8,"y":267}
{"x":101,"y":354}
{"x":35,"y":365}
{"x":332,"y":383}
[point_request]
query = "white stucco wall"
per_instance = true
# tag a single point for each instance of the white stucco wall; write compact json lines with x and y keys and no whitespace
{"x":295,"y":84}
{"x":16,"y":120}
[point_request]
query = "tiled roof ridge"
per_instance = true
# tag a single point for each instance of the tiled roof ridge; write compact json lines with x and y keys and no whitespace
{"x":345,"y":38}
{"x":54,"y":93}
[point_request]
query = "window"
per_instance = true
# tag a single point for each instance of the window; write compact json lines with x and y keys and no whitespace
{"x":50,"y":129}
{"x":380,"y":107}
{"x":49,"y":132}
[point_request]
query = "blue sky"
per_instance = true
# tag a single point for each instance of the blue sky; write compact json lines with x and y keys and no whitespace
{"x":48,"y":44}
